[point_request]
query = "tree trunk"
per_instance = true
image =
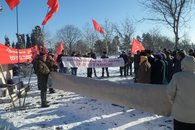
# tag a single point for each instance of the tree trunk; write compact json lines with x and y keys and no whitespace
{"x":70,"y":46}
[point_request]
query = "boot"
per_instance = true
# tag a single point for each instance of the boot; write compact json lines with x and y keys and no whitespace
{"x":44,"y":104}
{"x":51,"y":90}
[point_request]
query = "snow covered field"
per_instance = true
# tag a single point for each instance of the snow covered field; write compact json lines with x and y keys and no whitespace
{"x":71,"y":111}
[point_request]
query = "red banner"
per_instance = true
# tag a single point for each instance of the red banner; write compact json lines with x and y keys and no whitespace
{"x":10,"y":55}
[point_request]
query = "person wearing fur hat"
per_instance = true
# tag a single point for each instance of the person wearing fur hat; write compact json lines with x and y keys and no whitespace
{"x":181,"y":94}
{"x":144,"y":70}
{"x":42,"y":77}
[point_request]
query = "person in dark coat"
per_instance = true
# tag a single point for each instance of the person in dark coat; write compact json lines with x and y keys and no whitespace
{"x":93,"y":55}
{"x":89,"y":69}
{"x":165,"y":70}
{"x":191,"y":52}
{"x":169,"y":60}
{"x":129,"y":65}
{"x":74,"y":69}
{"x":157,"y":70}
{"x":106,"y":68}
{"x":35,"y":63}
{"x":136,"y":64}
{"x":42,"y":77}
{"x":59,"y":60}
{"x":123,"y":69}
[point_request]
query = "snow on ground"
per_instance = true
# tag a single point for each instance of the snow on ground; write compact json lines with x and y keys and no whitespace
{"x":71,"y":111}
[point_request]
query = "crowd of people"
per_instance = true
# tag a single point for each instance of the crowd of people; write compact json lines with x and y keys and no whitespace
{"x":158,"y":68}
{"x":177,"y":70}
{"x":43,"y":64}
{"x":173,"y":68}
{"x":154,"y":68}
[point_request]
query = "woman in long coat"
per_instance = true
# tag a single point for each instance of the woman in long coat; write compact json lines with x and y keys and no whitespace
{"x":144,"y":71}
{"x":181,"y":94}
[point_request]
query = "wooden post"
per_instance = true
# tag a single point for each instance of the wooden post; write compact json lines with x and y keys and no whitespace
{"x":7,"y":86}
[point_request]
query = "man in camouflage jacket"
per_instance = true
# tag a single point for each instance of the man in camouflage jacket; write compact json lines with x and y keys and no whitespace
{"x":42,"y":76}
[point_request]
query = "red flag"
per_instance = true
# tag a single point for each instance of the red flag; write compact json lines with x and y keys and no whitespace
{"x":97,"y":26}
{"x":50,"y":3}
{"x":53,"y":4}
{"x":35,"y":51}
{"x":12,"y":3}
{"x":48,"y":16}
{"x":136,"y":45}
{"x":59,"y":51}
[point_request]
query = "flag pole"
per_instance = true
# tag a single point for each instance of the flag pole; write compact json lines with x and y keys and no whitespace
{"x":106,"y":41}
{"x":17,"y":26}
{"x":44,"y":25}
{"x":17,"y":18}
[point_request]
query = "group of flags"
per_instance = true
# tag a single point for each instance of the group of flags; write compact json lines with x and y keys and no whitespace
{"x":54,"y":7}
{"x":136,"y":44}
{"x":52,"y":4}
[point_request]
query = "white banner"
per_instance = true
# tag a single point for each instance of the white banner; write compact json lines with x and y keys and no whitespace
{"x":91,"y":63}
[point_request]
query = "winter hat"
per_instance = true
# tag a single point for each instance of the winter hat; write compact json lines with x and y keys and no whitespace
{"x":158,"y":56}
{"x":163,"y":56}
{"x":188,"y":64}
{"x":181,"y":54}
{"x":143,"y":58}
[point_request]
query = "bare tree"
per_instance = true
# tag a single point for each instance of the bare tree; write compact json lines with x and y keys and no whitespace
{"x":69,"y":35}
{"x":173,"y":13}
{"x":114,"y":48}
{"x":125,"y":32}
{"x":81,"y":47}
{"x":90,"y":36}
{"x":108,"y":34}
{"x":99,"y":47}
{"x":156,"y":42}
{"x":150,"y":39}
{"x":48,"y":39}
